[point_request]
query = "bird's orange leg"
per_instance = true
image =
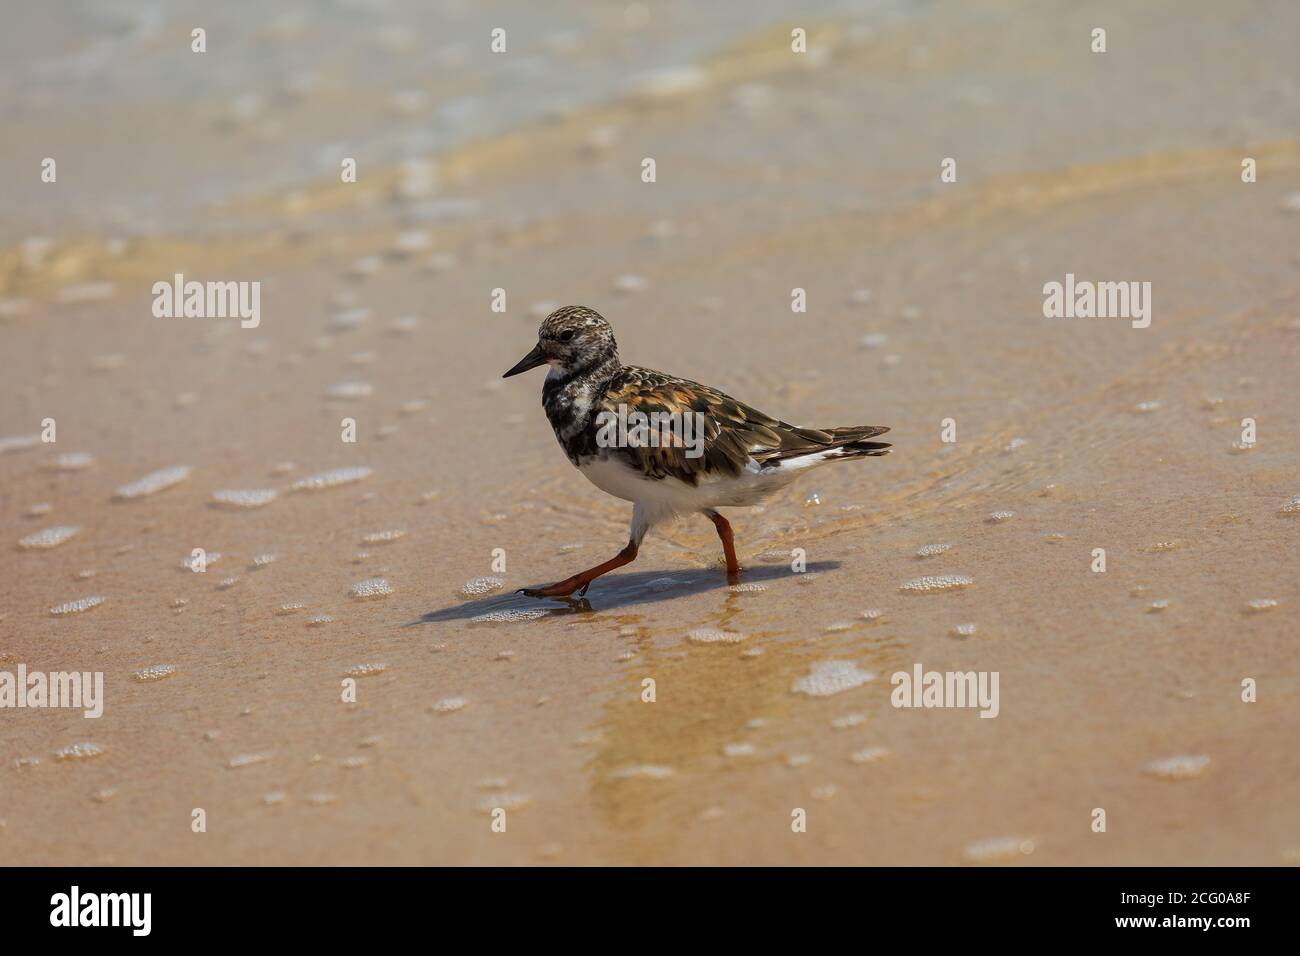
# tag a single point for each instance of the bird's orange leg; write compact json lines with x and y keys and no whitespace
{"x":728,"y":542}
{"x":580,"y":582}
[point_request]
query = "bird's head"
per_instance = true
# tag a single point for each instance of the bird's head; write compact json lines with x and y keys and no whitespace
{"x":571,"y":340}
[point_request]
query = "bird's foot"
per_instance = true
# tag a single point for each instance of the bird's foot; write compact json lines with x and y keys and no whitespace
{"x":558,"y":589}
{"x":580,"y":582}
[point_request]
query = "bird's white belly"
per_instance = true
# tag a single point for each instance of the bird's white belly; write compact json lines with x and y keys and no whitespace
{"x":614,"y":478}
{"x":670,"y":496}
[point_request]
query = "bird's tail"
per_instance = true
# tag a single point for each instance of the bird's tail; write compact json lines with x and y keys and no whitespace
{"x":830,"y":444}
{"x":851,"y":441}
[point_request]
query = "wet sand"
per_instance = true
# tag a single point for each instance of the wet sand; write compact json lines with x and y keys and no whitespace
{"x":773,"y":172}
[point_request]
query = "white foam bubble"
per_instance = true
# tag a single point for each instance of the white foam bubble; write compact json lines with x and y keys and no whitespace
{"x":1178,"y":768}
{"x":332,"y":479}
{"x":154,"y":672}
{"x":998,"y":848}
{"x":930,"y":550}
{"x":247,"y":760}
{"x":509,"y":615}
{"x":371,"y":588}
{"x":870,"y":754}
{"x":154,"y":482}
{"x":72,"y":461}
{"x":350,"y":390}
{"x":1161,"y":547}
{"x":831,"y":677}
{"x":642,"y":771}
{"x":245,"y":498}
{"x":48,"y":538}
{"x":77,"y":606}
{"x":82,"y":751}
{"x":383,"y":537}
{"x":937,"y":582}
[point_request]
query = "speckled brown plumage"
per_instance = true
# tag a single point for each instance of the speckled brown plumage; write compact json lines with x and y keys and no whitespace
{"x":734,"y":433}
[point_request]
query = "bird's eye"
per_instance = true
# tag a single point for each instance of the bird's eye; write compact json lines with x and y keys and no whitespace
{"x":567,"y":335}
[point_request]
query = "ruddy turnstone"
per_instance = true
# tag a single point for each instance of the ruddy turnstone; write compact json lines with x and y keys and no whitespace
{"x":739,"y":455}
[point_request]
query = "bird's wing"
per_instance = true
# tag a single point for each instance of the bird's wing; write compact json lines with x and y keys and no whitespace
{"x":729,"y":433}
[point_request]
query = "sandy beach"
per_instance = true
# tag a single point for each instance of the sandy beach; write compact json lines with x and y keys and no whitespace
{"x":522,"y":171}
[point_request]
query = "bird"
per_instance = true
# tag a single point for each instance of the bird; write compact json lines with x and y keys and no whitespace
{"x":709,"y":451}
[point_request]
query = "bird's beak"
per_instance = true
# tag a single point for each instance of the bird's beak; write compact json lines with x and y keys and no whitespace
{"x":533,"y":359}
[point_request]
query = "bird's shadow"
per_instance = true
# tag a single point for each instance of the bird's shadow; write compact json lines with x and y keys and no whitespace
{"x":609,"y":594}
